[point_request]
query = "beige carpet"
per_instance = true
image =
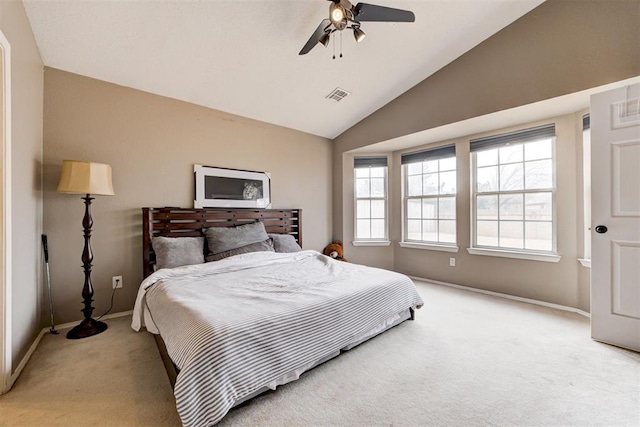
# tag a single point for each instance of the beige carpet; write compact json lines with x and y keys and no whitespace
{"x":467,"y":360}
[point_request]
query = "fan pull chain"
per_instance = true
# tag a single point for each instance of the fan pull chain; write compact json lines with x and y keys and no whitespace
{"x":340,"y":44}
{"x":333,"y":43}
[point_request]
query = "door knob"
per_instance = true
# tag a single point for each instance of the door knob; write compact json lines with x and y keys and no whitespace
{"x":601,"y":229}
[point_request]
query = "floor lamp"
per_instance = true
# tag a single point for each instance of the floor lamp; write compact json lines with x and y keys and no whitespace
{"x":88,"y":178}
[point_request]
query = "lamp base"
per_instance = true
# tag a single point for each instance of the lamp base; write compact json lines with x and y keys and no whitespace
{"x":87,"y":328}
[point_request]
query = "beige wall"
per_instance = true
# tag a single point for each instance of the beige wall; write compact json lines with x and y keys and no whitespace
{"x":26,"y":146}
{"x":152,"y":143}
{"x":558,"y":48}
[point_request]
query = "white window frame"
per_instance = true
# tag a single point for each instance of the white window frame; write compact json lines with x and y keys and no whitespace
{"x":507,"y":252}
{"x":429,"y":244}
{"x":358,"y":241}
{"x":586,"y":188}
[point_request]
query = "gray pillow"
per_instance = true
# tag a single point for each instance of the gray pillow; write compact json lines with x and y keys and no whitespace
{"x":265,"y":246}
{"x":222,"y":239}
{"x":177,"y":251}
{"x":285,"y":243}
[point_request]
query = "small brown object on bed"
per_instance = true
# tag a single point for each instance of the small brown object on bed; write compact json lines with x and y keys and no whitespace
{"x":185,"y":222}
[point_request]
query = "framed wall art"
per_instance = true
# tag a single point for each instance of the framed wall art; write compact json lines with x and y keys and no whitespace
{"x":231,"y":188}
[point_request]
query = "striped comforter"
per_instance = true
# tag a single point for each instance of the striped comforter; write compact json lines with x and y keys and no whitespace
{"x":236,"y":325}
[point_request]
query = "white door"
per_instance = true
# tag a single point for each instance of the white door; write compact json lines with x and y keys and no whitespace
{"x":615,"y":217}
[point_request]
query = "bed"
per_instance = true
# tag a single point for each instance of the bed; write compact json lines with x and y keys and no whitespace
{"x":248,"y":322}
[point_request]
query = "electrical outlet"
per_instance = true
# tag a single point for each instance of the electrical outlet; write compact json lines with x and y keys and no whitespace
{"x":116,"y":282}
{"x":452,"y":262}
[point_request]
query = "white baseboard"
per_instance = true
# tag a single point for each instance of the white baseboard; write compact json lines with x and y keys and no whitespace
{"x":25,"y":359}
{"x":507,"y":296}
{"x":45,"y":330}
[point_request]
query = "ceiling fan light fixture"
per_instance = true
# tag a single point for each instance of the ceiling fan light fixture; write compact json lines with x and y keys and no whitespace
{"x":338,"y":16}
{"x":344,"y":15}
{"x":324,"y":39}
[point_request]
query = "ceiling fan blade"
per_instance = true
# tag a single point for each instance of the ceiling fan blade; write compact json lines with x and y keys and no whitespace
{"x":315,"y":37}
{"x":371,"y":12}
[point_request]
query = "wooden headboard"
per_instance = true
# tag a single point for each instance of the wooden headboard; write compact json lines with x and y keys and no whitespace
{"x":184,"y":222}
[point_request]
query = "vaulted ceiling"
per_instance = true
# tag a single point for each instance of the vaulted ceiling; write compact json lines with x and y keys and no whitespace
{"x":241,"y":56}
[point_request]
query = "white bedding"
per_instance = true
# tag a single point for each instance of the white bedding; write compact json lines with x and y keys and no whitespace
{"x":235,"y":326}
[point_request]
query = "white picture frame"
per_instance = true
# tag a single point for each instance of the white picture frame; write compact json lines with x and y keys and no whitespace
{"x":230,"y":188}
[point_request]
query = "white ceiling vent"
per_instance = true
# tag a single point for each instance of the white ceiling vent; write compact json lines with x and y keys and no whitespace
{"x":338,"y":94}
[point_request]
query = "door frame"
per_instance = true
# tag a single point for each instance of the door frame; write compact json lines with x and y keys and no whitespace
{"x":5,"y":212}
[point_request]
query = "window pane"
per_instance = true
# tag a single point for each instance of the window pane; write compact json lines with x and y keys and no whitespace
{"x":362,"y":172}
{"x":511,"y":177}
{"x":363,"y":209}
{"x":538,"y":150}
{"x":414,"y":208}
{"x":430,"y":230}
{"x":513,"y":217}
{"x":377,"y":229}
{"x":430,"y":166}
{"x":487,"y":207}
{"x":377,"y":187}
{"x":448,"y":164}
{"x":362,"y":187}
{"x":448,"y":182}
{"x":538,"y":206}
{"x":539,"y":174}
{"x":539,"y":236}
{"x":370,"y":203}
{"x":377,"y":209}
{"x":414,"y":229}
{"x":414,"y":168}
{"x":487,"y":233}
{"x":415,"y":185}
{"x":447,"y":208}
{"x":487,"y":179}
{"x":487,"y":158}
{"x":363,"y":229}
{"x":430,"y":184}
{"x":511,"y":234}
{"x":377,"y":172}
{"x":511,"y":153}
{"x":430,"y":208}
{"x":447,"y":231}
{"x":511,"y":206}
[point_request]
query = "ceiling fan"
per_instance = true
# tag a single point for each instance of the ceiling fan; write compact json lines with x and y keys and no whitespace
{"x":344,"y":15}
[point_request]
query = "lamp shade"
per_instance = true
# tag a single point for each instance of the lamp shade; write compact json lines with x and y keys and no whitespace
{"x":81,"y":177}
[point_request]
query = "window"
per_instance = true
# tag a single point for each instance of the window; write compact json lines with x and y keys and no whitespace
{"x":514,"y":191}
{"x":371,"y":198}
{"x":430,"y":196}
{"x":586,"y":182}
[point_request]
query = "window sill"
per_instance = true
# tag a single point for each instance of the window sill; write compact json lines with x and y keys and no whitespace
{"x":371,"y":243}
{"x":513,"y":254}
{"x":431,"y":247}
{"x":585,"y":262}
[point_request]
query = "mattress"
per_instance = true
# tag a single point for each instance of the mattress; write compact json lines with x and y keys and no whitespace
{"x":251,"y":321}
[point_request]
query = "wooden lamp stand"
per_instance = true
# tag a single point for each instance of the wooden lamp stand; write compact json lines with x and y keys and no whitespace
{"x":89,"y":326}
